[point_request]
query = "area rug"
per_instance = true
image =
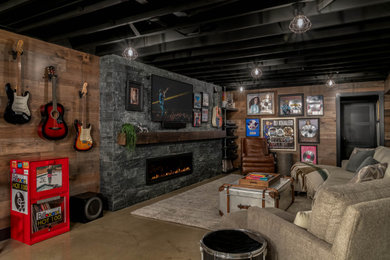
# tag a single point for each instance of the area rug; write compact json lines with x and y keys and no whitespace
{"x":197,"y":207}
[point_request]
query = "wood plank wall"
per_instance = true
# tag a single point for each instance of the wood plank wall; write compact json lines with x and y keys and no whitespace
{"x":22,"y":141}
{"x":327,"y":147}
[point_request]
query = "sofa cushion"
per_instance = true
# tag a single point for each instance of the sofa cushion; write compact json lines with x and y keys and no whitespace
{"x":302,"y":219}
{"x":332,"y":201}
{"x":357,"y":158}
{"x":364,"y":233}
{"x":336,"y":176}
{"x":382,"y":154}
{"x":370,"y":172}
{"x":368,"y":161}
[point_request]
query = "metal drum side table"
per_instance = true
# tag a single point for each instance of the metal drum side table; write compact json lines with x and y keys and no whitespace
{"x":284,"y":163}
{"x":233,"y":244}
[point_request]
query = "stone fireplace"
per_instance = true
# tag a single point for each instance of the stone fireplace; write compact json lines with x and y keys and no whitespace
{"x":167,"y":167}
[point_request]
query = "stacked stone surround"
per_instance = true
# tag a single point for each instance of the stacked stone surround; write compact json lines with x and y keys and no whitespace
{"x":122,"y":178}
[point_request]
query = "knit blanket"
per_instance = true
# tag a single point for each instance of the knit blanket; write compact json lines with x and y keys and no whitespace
{"x":308,"y":177}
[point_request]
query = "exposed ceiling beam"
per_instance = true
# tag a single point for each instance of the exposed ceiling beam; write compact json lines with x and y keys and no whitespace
{"x":77,"y":12}
{"x":11,"y":4}
{"x":135,"y":18}
{"x":322,"y":21}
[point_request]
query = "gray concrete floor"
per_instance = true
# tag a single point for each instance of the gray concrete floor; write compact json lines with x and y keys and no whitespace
{"x":118,"y":235}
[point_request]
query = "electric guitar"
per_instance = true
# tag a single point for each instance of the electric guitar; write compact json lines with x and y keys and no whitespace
{"x":83,"y":141}
{"x":17,"y":111}
{"x":217,"y":115}
{"x":53,"y":126}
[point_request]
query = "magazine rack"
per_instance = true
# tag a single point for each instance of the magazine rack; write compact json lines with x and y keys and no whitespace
{"x":39,"y":199}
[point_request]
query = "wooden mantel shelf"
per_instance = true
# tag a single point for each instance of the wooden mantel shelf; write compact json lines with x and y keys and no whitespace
{"x":174,"y":137}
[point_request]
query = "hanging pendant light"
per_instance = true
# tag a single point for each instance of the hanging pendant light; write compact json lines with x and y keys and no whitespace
{"x":330,"y":83}
{"x":130,"y":53}
{"x":300,"y":23}
{"x":256,"y":73}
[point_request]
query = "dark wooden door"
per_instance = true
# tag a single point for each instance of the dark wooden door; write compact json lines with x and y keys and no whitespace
{"x":358,"y":125}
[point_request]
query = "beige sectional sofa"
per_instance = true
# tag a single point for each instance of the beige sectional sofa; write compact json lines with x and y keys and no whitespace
{"x":339,"y":175}
{"x":348,"y":220}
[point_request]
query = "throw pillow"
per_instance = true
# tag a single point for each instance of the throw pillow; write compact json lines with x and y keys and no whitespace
{"x":368,"y":161}
{"x":382,"y":154}
{"x":356,"y":159}
{"x":302,"y":219}
{"x":370,"y":172}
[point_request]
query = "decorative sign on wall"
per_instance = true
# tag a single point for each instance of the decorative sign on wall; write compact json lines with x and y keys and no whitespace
{"x":291,"y":105}
{"x":197,"y":118}
{"x":205,"y":115}
{"x":309,"y":153}
{"x":252,"y":127}
{"x":205,"y":100}
{"x":280,"y":133}
{"x":308,"y":130}
{"x":198,"y":100}
{"x":315,"y":105}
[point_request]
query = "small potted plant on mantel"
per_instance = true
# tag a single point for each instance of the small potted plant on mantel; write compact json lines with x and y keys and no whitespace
{"x":128,"y":136}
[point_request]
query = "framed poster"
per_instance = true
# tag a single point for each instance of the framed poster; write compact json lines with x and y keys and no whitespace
{"x":205,"y":115}
{"x":267,"y":103}
{"x":291,"y":105}
{"x":315,"y":105}
{"x":252,"y":127}
{"x":205,"y":99}
{"x":308,"y":130}
{"x":133,"y":96}
{"x":198,"y":100}
{"x":253,"y":104}
{"x":197,"y":118}
{"x":309,"y":154}
{"x":280,"y":133}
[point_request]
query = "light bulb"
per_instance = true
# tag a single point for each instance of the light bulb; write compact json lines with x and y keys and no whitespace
{"x":130,"y":52}
{"x":241,"y":89}
{"x":330,"y":83}
{"x":300,"y":22}
{"x":256,"y":71}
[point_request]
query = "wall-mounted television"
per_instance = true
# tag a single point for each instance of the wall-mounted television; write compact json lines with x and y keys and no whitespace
{"x":171,"y":100}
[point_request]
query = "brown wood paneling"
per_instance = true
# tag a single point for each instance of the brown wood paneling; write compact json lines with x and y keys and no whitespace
{"x":22,"y":141}
{"x":327,"y":146}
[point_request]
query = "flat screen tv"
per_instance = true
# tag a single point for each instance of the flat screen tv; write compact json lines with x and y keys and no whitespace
{"x":171,"y":100}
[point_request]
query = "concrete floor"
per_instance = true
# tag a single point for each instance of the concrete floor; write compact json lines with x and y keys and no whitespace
{"x":118,"y":235}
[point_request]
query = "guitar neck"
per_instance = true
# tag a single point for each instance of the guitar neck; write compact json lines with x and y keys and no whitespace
{"x":84,"y":115}
{"x":54,"y":91}
{"x":19,"y":78}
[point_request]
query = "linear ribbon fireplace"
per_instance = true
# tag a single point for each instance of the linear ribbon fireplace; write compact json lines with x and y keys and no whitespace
{"x":168,"y":167}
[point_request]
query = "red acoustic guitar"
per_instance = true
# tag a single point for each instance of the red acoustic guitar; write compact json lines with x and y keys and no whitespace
{"x":53,"y":126}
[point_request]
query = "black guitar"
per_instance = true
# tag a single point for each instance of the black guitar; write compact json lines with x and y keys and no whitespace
{"x":17,"y":111}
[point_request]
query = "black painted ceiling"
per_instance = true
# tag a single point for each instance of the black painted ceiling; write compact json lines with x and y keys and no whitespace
{"x":219,"y":41}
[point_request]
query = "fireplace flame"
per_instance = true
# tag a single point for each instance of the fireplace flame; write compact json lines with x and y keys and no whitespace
{"x":172,"y":172}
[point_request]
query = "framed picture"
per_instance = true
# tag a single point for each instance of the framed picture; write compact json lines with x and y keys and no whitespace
{"x":205,"y":99}
{"x":315,"y":105}
{"x":291,"y":105}
{"x":205,"y":115}
{"x":133,"y":96}
{"x":253,"y":104}
{"x":309,"y":154}
{"x":267,"y":106}
{"x":198,"y":100}
{"x":197,"y":118}
{"x":308,"y":130}
{"x":280,"y":133}
{"x":252,"y":127}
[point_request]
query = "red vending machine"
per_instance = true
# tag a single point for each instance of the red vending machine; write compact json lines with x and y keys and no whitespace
{"x":39,"y":199}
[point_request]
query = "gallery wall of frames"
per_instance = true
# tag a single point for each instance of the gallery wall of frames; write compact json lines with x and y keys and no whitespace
{"x":71,"y":70}
{"x":299,"y":120}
